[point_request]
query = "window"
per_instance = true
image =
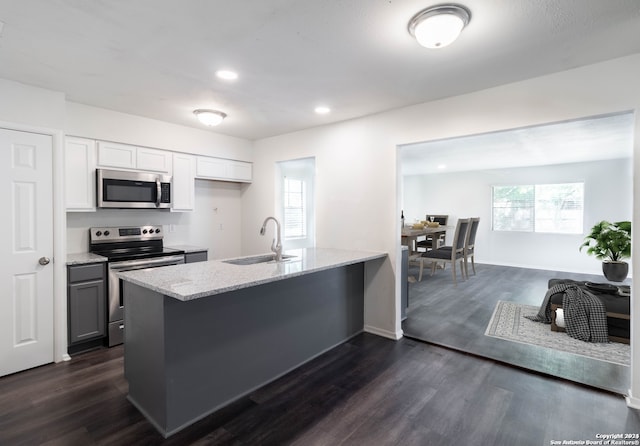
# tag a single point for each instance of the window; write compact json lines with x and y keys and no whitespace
{"x":295,"y":224}
{"x":295,"y":202}
{"x":554,"y":208}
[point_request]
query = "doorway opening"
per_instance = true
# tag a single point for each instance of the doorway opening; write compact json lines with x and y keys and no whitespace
{"x":455,"y":177}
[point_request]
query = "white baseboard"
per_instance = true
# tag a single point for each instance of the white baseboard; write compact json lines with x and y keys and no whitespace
{"x":595,"y":272}
{"x":384,"y":333}
{"x":632,"y":402}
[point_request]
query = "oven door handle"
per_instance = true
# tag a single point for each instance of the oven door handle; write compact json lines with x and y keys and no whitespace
{"x":146,"y":263}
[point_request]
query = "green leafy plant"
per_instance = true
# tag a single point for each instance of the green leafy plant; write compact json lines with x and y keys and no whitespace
{"x":609,"y":241}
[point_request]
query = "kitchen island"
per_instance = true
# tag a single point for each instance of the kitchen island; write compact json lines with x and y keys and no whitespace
{"x":199,"y":336}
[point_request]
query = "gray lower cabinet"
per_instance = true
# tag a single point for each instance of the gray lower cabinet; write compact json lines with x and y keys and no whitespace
{"x":87,"y":305}
{"x":197,"y":256}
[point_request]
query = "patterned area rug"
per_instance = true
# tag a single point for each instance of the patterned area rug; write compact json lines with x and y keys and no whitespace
{"x":508,"y":322}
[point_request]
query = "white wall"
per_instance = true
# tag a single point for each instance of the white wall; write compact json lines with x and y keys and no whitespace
{"x":214,"y":224}
{"x":98,"y":123}
{"x":608,"y":196}
{"x":32,"y":106}
{"x":354,"y":191}
{"x":358,"y":182}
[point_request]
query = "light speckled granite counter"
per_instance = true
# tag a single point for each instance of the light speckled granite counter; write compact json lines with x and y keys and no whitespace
{"x":188,"y":248}
{"x":84,"y":258}
{"x":196,"y":280}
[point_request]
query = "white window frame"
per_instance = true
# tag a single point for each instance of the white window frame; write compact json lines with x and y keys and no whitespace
{"x":301,"y":170}
{"x":294,"y":205}
{"x":532,"y":212}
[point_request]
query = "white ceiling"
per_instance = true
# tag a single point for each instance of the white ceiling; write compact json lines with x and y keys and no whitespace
{"x":589,"y":139}
{"x":157,"y":58}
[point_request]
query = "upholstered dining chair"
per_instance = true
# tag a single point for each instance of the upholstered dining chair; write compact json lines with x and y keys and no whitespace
{"x":428,"y":242}
{"x":469,"y":245}
{"x":442,"y":219}
{"x":448,"y":254}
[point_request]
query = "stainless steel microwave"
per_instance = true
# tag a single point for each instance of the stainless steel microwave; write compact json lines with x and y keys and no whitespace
{"x":132,"y":190}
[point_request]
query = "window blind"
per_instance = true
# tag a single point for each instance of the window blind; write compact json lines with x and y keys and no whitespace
{"x":294,"y":208}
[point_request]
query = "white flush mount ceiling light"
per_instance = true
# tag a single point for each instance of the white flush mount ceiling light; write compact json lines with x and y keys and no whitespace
{"x":440,"y":25}
{"x":322,"y":110}
{"x":210,"y":117}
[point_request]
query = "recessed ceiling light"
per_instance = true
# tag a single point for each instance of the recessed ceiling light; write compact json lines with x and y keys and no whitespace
{"x":210,"y":117}
{"x":322,"y":110}
{"x":227,"y":75}
{"x":442,"y":166}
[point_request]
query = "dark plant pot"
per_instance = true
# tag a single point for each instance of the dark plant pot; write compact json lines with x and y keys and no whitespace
{"x":615,"y":271}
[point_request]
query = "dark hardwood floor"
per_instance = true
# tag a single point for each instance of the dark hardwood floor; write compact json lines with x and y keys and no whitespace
{"x":368,"y":391}
{"x":457,"y":317}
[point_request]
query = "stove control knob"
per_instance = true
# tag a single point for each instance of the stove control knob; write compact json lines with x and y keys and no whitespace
{"x":106,"y":233}
{"x":158,"y":231}
{"x":98,"y":234}
{"x":144,"y":231}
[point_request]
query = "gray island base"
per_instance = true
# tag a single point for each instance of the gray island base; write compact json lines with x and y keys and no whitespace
{"x":184,"y":359}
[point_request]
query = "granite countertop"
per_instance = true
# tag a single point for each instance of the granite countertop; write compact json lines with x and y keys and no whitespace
{"x":84,"y":258}
{"x":188,"y":248}
{"x":195,"y":280}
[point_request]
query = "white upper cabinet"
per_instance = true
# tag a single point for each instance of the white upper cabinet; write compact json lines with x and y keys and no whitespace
{"x":79,"y":177}
{"x":111,"y":154}
{"x":83,"y":156}
{"x":239,"y":171}
{"x":222,"y":169}
{"x":154,"y":160}
{"x":125,"y":156}
{"x":183,"y":188}
{"x":208,"y":167}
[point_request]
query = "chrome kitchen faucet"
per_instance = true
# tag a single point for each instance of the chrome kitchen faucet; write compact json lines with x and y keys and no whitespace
{"x":276,"y":244}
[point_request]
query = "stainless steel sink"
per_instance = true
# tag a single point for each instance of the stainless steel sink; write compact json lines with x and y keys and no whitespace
{"x":266,"y":258}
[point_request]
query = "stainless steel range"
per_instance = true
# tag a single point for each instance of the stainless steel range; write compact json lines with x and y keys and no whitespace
{"x":129,"y":248}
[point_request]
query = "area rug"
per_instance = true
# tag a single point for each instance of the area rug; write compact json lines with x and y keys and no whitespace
{"x":508,"y":322}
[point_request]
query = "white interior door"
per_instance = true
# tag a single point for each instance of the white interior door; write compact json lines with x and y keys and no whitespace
{"x":26,"y":245}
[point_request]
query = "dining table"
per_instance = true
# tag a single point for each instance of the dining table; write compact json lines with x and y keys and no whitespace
{"x":410,"y":235}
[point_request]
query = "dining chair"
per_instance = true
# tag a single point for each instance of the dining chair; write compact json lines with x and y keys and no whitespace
{"x":469,"y":245}
{"x":448,"y":254}
{"x":442,"y":219}
{"x":428,"y":242}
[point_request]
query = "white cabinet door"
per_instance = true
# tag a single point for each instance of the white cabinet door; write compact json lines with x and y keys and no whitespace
{"x":183,"y":187}
{"x":239,"y":171}
{"x":209,"y":167}
{"x":125,"y":156}
{"x":223,"y":169}
{"x":26,"y":245}
{"x":79,"y":174}
{"x":111,"y":154}
{"x":153,"y":159}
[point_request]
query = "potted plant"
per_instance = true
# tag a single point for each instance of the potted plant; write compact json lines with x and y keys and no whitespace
{"x":611,"y":243}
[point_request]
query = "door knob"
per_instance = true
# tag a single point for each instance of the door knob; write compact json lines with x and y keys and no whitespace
{"x":44,"y":260}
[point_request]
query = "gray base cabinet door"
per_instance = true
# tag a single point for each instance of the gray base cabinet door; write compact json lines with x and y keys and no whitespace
{"x":86,"y":311}
{"x":198,"y":256}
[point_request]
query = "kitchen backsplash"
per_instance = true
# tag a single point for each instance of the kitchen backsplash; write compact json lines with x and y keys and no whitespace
{"x":215,"y":224}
